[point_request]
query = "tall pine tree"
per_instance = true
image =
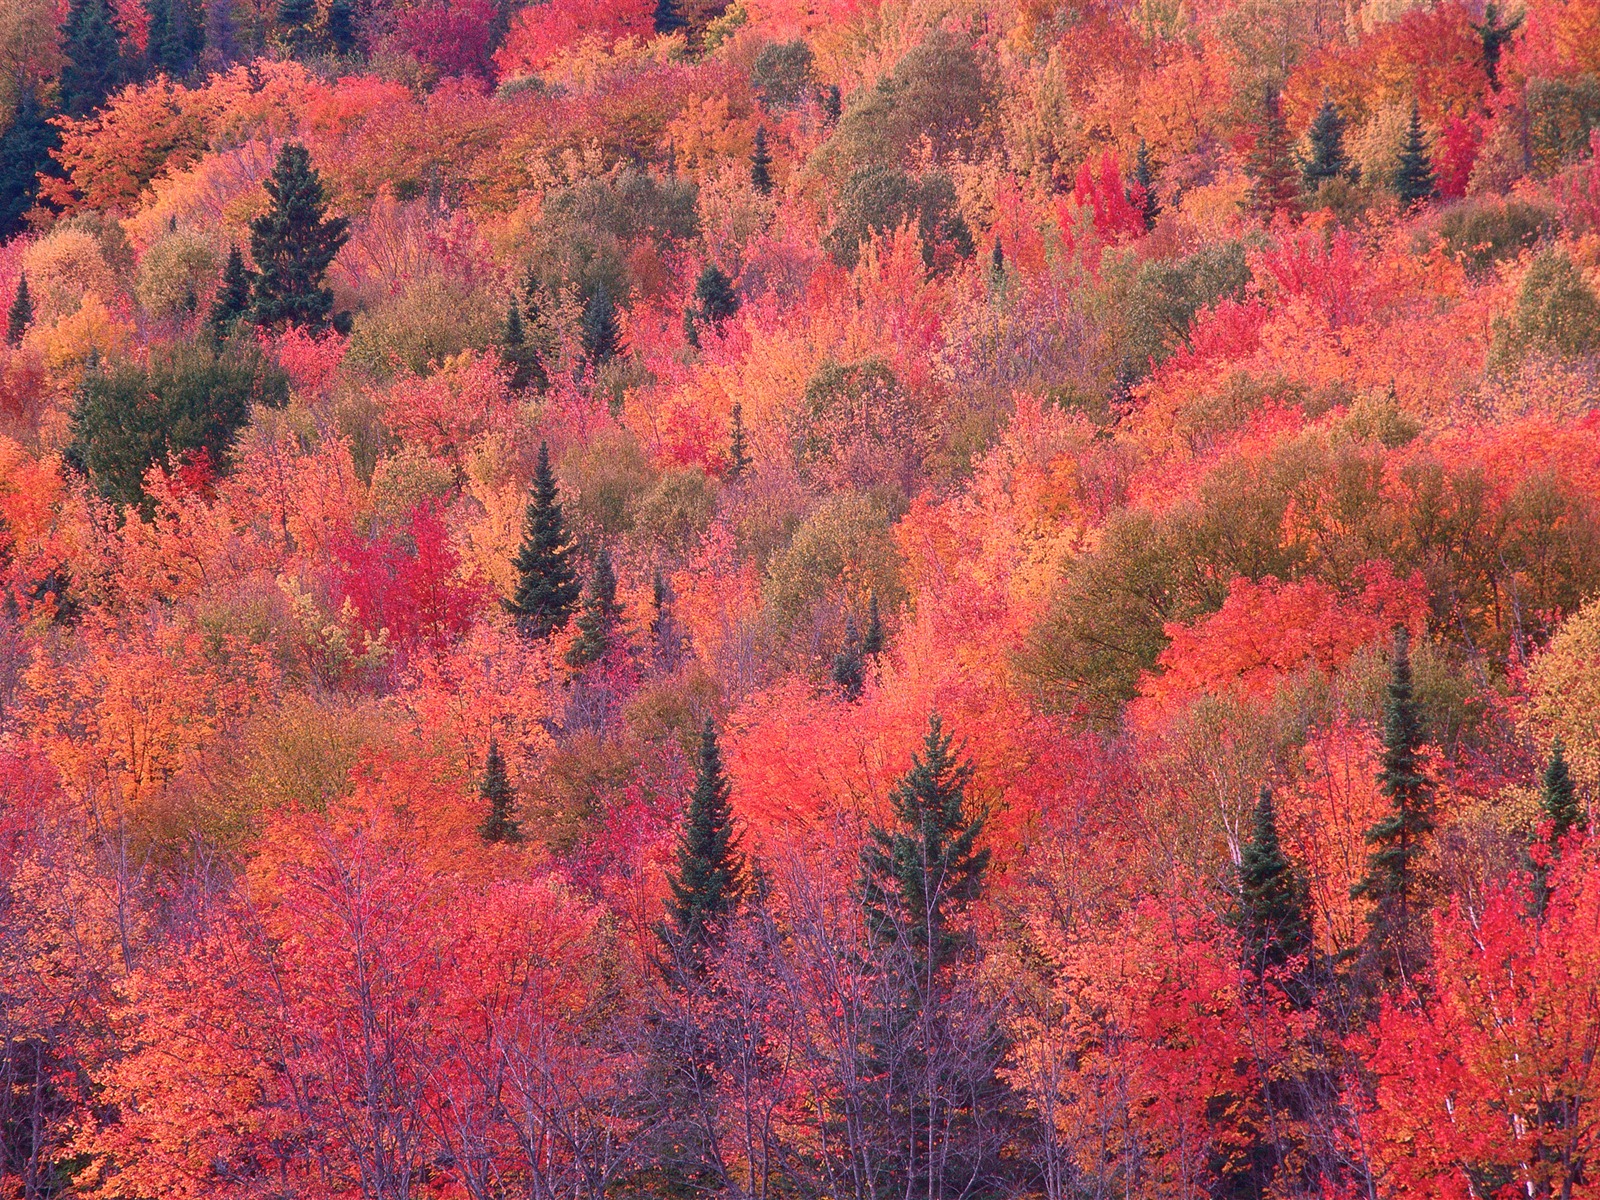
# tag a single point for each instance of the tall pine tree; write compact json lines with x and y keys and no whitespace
{"x":1273,"y":918}
{"x":601,"y":336}
{"x":872,"y":638}
{"x":547,"y":586}
{"x":668,"y":18}
{"x":232,"y":300}
{"x":93,"y":67}
{"x":1559,"y":796}
{"x":738,"y":445}
{"x":761,"y":163}
{"x":929,"y":1043}
{"x":292,"y":243}
{"x":1144,"y":182}
{"x":709,"y":876}
{"x":1272,"y":184}
{"x":499,"y":823}
{"x":1559,"y":800}
{"x":24,"y":152}
{"x":1494,"y":34}
{"x":714,"y":302}
{"x":1328,"y":159}
{"x":1413,"y":176}
{"x":849,"y":665}
{"x":1395,"y":882}
{"x":517,"y":353}
{"x":919,"y":876}
{"x":20,"y":315}
{"x":599,"y":619}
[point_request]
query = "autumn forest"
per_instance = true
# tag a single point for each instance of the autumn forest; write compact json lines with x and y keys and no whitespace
{"x":799,"y":599}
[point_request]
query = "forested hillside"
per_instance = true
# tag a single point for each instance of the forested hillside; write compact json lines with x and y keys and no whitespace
{"x":846,"y":600}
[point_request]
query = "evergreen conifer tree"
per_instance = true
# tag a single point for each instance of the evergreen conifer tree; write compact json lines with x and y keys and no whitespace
{"x":1413,"y":176}
{"x":997,"y":262}
{"x":499,"y":823}
{"x":738,"y":446}
{"x":1144,"y":179}
{"x":1394,"y":881}
{"x":1559,"y":797}
{"x":832,"y":103}
{"x":761,"y":163}
{"x":93,"y":67}
{"x":342,"y":26}
{"x":710,"y":874}
{"x":20,"y":315}
{"x":599,"y":618}
{"x":547,"y":586}
{"x":517,"y":353}
{"x":24,"y":152}
{"x":872,"y":639}
{"x":294,"y":24}
{"x":714,"y":302}
{"x":918,"y":876}
{"x":598,"y":329}
{"x":292,"y":243}
{"x":849,"y":666}
{"x":1273,"y":920}
{"x":232,"y":300}
{"x":1328,"y":159}
{"x":1559,"y":800}
{"x":1494,"y":35}
{"x":1271,"y":169}
{"x":668,"y":18}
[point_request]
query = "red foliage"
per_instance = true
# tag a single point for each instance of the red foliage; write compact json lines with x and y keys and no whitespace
{"x":452,"y":36}
{"x":541,"y":31}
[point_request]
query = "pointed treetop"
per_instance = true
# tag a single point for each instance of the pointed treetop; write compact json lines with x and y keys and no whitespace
{"x":547,"y":585}
{"x":738,"y":445}
{"x":1413,"y":177}
{"x":849,"y":666}
{"x":1328,"y":158}
{"x":20,"y":315}
{"x":1559,"y":797}
{"x":1273,"y":919}
{"x":499,"y":823}
{"x":919,"y":875}
{"x":710,"y":874}
{"x":293,"y":243}
{"x":761,"y":163}
{"x":600,"y":617}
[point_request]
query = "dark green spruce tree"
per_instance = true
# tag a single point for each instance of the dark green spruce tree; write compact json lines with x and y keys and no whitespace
{"x":294,"y":24}
{"x":997,"y":262}
{"x":1145,"y":181}
{"x":1271,"y":168}
{"x":1559,"y":801}
{"x":292,"y":243}
{"x":713,"y":303}
{"x":1396,"y":882}
{"x":1413,"y":175}
{"x":93,"y":67}
{"x":1494,"y":34}
{"x":232,"y":300}
{"x":738,"y":445}
{"x":872,"y":639}
{"x":917,"y":877}
{"x":668,"y":18}
{"x":500,"y":823}
{"x":24,"y":152}
{"x":342,"y":27}
{"x":547,"y":586}
{"x":832,"y":103}
{"x":601,"y":336}
{"x":1273,"y":918}
{"x":849,"y":665}
{"x":1559,"y":796}
{"x":520,"y":357}
{"x":931,"y":1047}
{"x":600,"y":618}
{"x":761,"y":163}
{"x":709,"y":875}
{"x":20,"y":315}
{"x":1328,"y":159}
